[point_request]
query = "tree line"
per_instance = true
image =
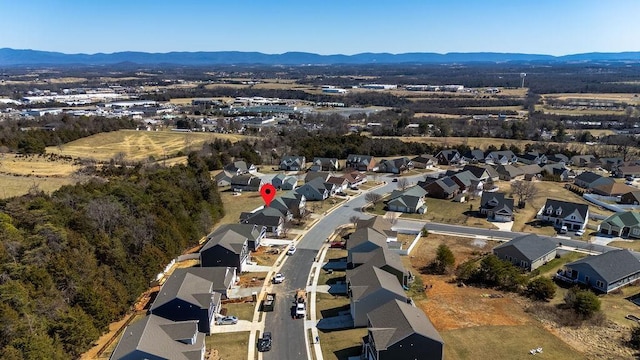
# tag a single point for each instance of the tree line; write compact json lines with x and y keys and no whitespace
{"x":74,"y":261}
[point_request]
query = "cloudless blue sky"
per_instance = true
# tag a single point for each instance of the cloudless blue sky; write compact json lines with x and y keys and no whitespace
{"x":555,"y":27}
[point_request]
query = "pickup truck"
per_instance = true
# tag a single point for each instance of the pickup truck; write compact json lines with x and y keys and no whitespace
{"x":301,"y":303}
{"x":268,"y":302}
{"x":278,"y":278}
{"x":264,"y":343}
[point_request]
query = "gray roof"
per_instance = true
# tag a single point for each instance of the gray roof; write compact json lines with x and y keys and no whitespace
{"x":186,"y":286}
{"x":509,"y":170}
{"x":232,"y":236}
{"x":379,"y":258}
{"x":371,"y":279}
{"x":397,"y":320}
{"x":267,"y":216}
{"x":566,"y":207}
{"x":588,"y":177}
{"x":530,"y":246}
{"x":156,"y":337}
{"x":364,"y":235}
{"x":612,"y":265}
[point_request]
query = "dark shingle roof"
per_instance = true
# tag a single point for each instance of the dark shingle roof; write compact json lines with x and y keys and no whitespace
{"x":232,"y":236}
{"x":396,"y":320}
{"x":371,"y":279}
{"x":185,"y":286}
{"x":567,"y":207}
{"x":612,"y":265}
{"x":530,"y":246}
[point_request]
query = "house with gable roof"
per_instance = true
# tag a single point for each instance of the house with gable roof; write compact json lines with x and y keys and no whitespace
{"x":502,"y":157}
{"x":444,"y":188}
{"x":324,"y":164}
{"x":379,"y":224}
{"x":228,"y":245}
{"x":605,"y":272}
{"x":496,"y":207}
{"x":473,"y":156}
{"x":361,"y":163}
{"x":409,"y":201}
{"x":314,"y":190}
{"x":369,"y":289}
{"x":293,"y":163}
{"x":424,"y":161}
{"x":188,"y":296}
{"x":527,"y":251}
{"x":364,"y":240}
{"x":509,"y":172}
{"x":623,"y":224}
{"x":384,"y":259}
{"x":400,"y":331}
{"x":449,"y":157}
{"x":155,"y":337}
{"x":271,"y":218}
{"x":395,"y":166}
{"x":532,"y":157}
{"x":239,"y":167}
{"x":564,"y":213}
{"x":630,"y":198}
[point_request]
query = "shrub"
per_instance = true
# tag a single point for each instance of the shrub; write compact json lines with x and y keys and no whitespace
{"x":583,"y":302}
{"x":634,"y":341}
{"x":541,"y":288}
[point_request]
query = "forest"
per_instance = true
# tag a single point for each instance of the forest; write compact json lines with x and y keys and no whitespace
{"x":74,"y":261}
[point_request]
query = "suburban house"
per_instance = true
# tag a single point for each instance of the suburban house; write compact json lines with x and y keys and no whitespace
{"x":339,"y":182}
{"x":355,"y":178}
{"x":627,"y":171}
{"x":239,"y":167}
{"x":564,"y":213}
{"x":612,"y":188}
{"x":324,"y":164}
{"x":379,"y":224}
{"x":290,"y":203}
{"x":424,"y":161}
{"x":496,"y":207}
{"x":623,"y":224}
{"x":612,"y":163}
{"x":314,"y":190}
{"x":584,"y":161}
{"x":468,"y":182}
{"x":226,"y":247}
{"x":559,"y":171}
{"x":400,"y":331}
{"x":630,"y":198}
{"x":531,"y":172}
{"x":360,"y":163}
{"x":370,"y":288}
{"x":445,"y":188}
{"x":395,"y":166}
{"x":558,"y":159}
{"x":187,"y":296}
{"x":363,"y":241}
{"x":312,"y":175}
{"x":604,"y":272}
{"x":503,"y":157}
{"x":589,"y":180}
{"x":484,"y":173}
{"x":532,"y":157}
{"x":473,"y":156}
{"x":410,"y":200}
{"x":222,"y":278}
{"x":246,"y":183}
{"x":293,"y":163}
{"x":223,"y":178}
{"x":509,"y":172}
{"x":449,"y":157}
{"x":155,"y":337}
{"x":284,"y":182}
{"x":271,"y":218}
{"x":384,"y":259}
{"x":528,"y":251}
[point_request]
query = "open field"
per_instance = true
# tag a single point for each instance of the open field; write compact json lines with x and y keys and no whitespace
{"x":18,"y":174}
{"x":137,"y":145}
{"x":228,"y":346}
{"x":20,"y":185}
{"x":629,"y":98}
{"x":631,"y":245}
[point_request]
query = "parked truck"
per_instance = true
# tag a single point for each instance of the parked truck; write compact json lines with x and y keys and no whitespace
{"x":268,"y":302}
{"x":301,"y":303}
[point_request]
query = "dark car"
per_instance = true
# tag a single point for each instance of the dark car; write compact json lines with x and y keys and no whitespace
{"x":337,"y":245}
{"x":264,"y":343}
{"x":394,"y":180}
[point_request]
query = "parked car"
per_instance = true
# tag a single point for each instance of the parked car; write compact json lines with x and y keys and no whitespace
{"x":394,"y":180}
{"x":227,"y":320}
{"x":337,"y":245}
{"x":563,"y":230}
{"x":579,"y":232}
{"x":264,"y":343}
{"x":292,"y":250}
{"x":278,"y":279}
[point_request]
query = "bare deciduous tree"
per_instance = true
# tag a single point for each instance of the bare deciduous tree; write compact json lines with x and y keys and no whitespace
{"x":373,"y":197}
{"x":354,"y":219}
{"x":403,"y":183}
{"x":524,"y":190}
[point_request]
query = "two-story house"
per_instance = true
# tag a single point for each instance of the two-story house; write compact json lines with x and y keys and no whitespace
{"x":564,"y":213}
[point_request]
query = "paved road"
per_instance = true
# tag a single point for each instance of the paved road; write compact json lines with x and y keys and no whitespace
{"x":288,"y":333}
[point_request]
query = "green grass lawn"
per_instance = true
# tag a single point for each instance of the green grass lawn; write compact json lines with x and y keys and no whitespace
{"x":328,"y":305}
{"x":631,"y":245}
{"x":230,"y":346}
{"x":341,"y":344}
{"x":549,"y":269}
{"x":505,"y":342}
{"x":234,"y":205}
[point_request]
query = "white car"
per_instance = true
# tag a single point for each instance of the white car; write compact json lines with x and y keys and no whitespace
{"x":292,"y":250}
{"x":301,"y":310}
{"x":579,"y":232}
{"x":278,"y":279}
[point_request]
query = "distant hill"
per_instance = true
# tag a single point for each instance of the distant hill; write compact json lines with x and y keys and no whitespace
{"x":13,"y":57}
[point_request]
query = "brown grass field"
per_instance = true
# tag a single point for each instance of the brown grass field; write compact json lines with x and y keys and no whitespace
{"x":632,"y":99}
{"x":475,"y":326}
{"x":19,"y":174}
{"x":137,"y":145}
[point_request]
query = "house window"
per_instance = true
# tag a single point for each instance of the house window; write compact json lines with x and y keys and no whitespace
{"x":599,"y":284}
{"x":636,"y":231}
{"x":559,"y":211}
{"x":586,"y":279}
{"x":573,"y":217}
{"x":549,"y":210}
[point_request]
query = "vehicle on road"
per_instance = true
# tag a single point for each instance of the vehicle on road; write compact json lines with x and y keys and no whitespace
{"x":227,"y":320}
{"x":292,"y":250}
{"x":394,"y":180}
{"x":264,"y":343}
{"x":301,"y":303}
{"x":579,"y":232}
{"x":337,"y":245}
{"x":268,"y":302}
{"x":278,"y":279}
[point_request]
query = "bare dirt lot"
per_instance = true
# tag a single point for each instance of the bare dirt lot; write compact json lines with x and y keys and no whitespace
{"x":484,"y":323}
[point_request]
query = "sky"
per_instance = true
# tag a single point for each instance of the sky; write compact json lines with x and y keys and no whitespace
{"x":553,"y":27}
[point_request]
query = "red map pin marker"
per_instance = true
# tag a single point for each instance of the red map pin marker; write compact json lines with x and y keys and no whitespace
{"x":268,"y":192}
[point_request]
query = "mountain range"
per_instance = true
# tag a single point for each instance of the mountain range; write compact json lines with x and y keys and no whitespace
{"x":15,"y":57}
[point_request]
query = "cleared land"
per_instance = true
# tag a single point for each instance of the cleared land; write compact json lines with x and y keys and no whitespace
{"x":137,"y":145}
{"x":18,"y":174}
